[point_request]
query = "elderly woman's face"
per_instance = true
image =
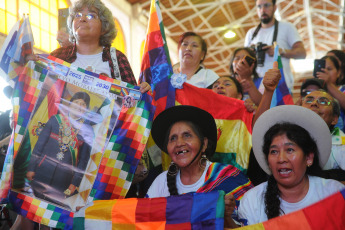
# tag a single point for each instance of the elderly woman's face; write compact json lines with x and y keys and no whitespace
{"x":190,"y":51}
{"x":87,"y":25}
{"x":288,"y":162}
{"x":227,"y":87}
{"x":77,"y":108}
{"x":184,"y":144}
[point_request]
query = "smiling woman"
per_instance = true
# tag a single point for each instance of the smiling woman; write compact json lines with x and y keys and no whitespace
{"x":189,"y":135}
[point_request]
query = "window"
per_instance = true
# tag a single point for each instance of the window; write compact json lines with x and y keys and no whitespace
{"x":43,"y":19}
{"x":119,"y":42}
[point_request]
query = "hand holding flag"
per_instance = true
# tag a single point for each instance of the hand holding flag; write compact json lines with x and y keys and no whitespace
{"x":282,"y":94}
{"x":272,"y":78}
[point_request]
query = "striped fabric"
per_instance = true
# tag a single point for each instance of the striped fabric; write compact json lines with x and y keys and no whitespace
{"x":232,"y":119}
{"x":227,"y":178}
{"x":327,"y":214}
{"x":188,"y":211}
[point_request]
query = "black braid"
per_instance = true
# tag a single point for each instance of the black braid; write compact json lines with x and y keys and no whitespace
{"x":272,"y":201}
{"x":171,"y":181}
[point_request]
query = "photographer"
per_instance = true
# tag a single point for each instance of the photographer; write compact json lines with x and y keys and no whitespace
{"x":268,"y":31}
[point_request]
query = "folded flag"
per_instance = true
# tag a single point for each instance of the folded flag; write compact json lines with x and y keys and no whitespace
{"x":188,"y":211}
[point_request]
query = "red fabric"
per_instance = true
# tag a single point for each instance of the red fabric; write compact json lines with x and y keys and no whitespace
{"x":327,"y":214}
{"x":190,"y":95}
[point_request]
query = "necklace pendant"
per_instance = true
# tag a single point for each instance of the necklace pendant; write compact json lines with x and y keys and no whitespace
{"x":65,"y":140}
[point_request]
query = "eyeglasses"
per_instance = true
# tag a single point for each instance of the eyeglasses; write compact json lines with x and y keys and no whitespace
{"x":265,"y":5}
{"x":321,"y":101}
{"x":89,"y":16}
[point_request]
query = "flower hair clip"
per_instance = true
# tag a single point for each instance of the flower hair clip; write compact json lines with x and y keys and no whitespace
{"x":177,"y":80}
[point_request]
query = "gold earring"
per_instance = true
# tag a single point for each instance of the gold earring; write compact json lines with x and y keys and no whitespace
{"x":203,"y":160}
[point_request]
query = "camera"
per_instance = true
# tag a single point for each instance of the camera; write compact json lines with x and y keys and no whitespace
{"x":260,"y":53}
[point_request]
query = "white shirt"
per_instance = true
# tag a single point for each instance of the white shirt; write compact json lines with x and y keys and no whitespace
{"x":287,"y":36}
{"x":159,"y":187}
{"x":93,"y":63}
{"x":203,"y":78}
{"x":252,"y":205}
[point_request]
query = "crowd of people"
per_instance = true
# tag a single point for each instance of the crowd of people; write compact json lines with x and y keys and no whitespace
{"x":298,"y":150}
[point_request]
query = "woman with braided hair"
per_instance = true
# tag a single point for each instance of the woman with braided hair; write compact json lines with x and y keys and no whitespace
{"x":291,"y":144}
{"x":189,"y":135}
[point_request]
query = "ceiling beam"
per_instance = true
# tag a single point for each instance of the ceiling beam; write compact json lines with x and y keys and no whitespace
{"x":310,"y":28}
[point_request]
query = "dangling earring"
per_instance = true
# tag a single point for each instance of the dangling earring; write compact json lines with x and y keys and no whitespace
{"x":309,"y":163}
{"x":173,"y":169}
{"x":203,"y":160}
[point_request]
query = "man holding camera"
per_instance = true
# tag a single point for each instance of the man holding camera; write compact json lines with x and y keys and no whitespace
{"x":268,"y":31}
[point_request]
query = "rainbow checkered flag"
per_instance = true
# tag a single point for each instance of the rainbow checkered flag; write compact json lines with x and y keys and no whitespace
{"x":188,"y":211}
{"x":156,"y":64}
{"x":281,"y":95}
{"x":112,"y":168}
{"x":19,"y":43}
{"x":156,"y":69}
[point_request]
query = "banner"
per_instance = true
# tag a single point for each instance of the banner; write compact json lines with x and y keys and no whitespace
{"x":78,"y":137}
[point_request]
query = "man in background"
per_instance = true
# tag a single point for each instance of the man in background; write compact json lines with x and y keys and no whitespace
{"x":268,"y":31}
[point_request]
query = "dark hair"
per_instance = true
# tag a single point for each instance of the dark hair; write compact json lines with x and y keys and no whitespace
{"x":336,"y":65}
{"x":189,"y":34}
{"x":171,"y":179}
{"x":236,"y":82}
{"x":251,"y":52}
{"x":81,"y":95}
{"x":273,"y":2}
{"x":308,"y":145}
{"x":341,"y":56}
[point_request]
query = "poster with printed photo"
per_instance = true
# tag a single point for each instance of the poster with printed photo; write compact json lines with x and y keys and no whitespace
{"x":64,"y":142}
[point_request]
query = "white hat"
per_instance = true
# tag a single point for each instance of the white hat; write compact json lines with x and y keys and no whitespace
{"x":293,"y":114}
